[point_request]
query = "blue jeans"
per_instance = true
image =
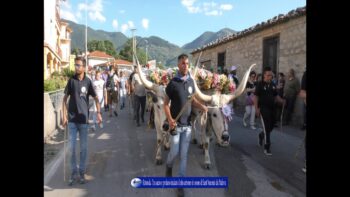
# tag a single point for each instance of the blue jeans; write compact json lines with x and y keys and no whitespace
{"x":83,"y":133}
{"x":181,"y":142}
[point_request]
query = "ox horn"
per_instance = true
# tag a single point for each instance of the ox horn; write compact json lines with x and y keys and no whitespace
{"x":148,"y":84}
{"x":199,"y":94}
{"x":241,"y":86}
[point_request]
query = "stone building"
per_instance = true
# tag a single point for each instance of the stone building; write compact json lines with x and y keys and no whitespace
{"x":279,"y":42}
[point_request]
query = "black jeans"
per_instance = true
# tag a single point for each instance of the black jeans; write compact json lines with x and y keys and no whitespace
{"x":140,"y":101}
{"x":269,"y":120}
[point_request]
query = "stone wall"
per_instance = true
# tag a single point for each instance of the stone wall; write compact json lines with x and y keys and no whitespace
{"x":52,"y":112}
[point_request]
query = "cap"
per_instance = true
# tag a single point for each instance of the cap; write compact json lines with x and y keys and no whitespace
{"x":233,"y":68}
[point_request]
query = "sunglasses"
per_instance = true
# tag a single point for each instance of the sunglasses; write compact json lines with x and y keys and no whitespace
{"x":78,"y":65}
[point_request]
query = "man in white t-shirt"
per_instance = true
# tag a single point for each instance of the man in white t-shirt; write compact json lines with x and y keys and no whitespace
{"x":140,"y":98}
{"x":98,"y":85}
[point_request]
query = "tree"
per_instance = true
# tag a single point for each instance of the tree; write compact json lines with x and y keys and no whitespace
{"x":76,"y":51}
{"x":105,"y":46}
{"x":110,"y":50}
{"x":92,"y":45}
{"x":126,"y":53}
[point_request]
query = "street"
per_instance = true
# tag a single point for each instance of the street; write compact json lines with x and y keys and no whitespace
{"x":121,"y":151}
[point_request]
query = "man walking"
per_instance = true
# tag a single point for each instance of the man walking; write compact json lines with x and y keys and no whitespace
{"x":265,"y":97}
{"x":78,"y":89}
{"x":177,"y":92}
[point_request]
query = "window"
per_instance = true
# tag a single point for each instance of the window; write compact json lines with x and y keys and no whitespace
{"x":270,"y":53}
{"x":221,"y":62}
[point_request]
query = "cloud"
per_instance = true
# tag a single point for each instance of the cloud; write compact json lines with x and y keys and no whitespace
{"x":115,"y":24}
{"x":94,"y":9}
{"x":125,"y":27}
{"x":208,"y":8}
{"x":189,"y":5}
{"x":68,"y":15}
{"x":97,"y":16}
{"x":131,"y":24}
{"x":78,"y":14}
{"x":66,"y":12}
{"x":145,"y":23}
{"x":213,"y":13}
{"x":121,"y":11}
{"x":226,"y":6}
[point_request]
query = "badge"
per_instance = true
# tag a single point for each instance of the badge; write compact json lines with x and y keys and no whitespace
{"x":83,"y":90}
{"x":190,"y":90}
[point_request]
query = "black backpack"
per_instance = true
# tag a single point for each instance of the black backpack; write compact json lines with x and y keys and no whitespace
{"x":110,"y":83}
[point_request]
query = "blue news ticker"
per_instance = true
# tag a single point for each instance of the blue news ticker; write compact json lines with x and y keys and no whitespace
{"x":180,"y":182}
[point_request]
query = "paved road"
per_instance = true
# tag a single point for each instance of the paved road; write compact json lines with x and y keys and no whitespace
{"x":121,"y":151}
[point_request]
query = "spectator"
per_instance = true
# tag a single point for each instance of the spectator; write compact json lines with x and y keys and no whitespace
{"x":291,"y":90}
{"x":249,"y":107}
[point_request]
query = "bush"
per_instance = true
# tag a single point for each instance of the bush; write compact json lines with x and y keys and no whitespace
{"x":54,"y":84}
{"x":49,"y":85}
{"x":67,"y":73}
{"x":55,"y":74}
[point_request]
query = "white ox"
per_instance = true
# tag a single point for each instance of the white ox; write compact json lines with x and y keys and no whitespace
{"x":215,"y":120}
{"x":158,"y":95}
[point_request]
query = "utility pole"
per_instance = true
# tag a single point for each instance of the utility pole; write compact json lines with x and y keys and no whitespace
{"x":86,"y":29}
{"x":146,"y":51}
{"x":133,"y":46}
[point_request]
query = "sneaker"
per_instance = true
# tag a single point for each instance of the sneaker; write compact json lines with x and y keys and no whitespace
{"x":253,"y":127}
{"x":244,"y":123}
{"x":304,"y":169}
{"x":138,"y":124}
{"x":115,"y":113}
{"x":72,"y":179}
{"x":82,"y":178}
{"x":267,"y":152}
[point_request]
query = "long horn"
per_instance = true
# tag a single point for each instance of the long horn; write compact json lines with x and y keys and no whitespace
{"x":241,"y":86}
{"x":199,"y":94}
{"x":146,"y":83}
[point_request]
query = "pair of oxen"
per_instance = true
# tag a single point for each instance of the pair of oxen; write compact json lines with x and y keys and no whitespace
{"x":215,"y":121}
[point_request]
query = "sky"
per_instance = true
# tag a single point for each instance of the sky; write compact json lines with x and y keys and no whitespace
{"x":177,"y":21}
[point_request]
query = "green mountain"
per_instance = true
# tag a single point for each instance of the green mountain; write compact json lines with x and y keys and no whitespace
{"x":163,"y":51}
{"x":78,"y":36}
{"x":207,"y":37}
{"x":159,"y":49}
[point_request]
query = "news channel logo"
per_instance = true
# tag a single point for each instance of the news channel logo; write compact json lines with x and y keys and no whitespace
{"x":136,"y":182}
